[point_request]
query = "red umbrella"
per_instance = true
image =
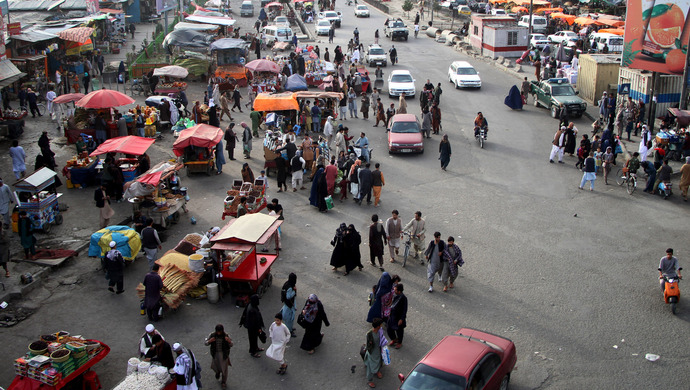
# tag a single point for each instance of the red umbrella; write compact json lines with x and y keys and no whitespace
{"x":130,"y":144}
{"x":201,"y":135}
{"x":274,"y":4}
{"x":68,"y":98}
{"x":263,"y":66}
{"x":104,"y":98}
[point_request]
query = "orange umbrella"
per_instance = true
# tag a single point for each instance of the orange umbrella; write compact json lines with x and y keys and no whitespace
{"x":582,"y":21}
{"x":617,"y":31}
{"x":104,"y":98}
{"x":519,"y":8}
{"x":275,"y":102}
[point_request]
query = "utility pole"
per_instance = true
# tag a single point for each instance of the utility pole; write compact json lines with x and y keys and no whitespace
{"x":684,"y":90}
{"x":529,"y":33}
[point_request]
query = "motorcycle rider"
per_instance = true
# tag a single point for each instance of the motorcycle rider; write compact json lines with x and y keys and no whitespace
{"x":668,"y":267}
{"x":481,"y":123}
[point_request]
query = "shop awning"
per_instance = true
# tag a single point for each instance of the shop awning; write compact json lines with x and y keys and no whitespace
{"x":36,"y":57}
{"x":111,"y":11}
{"x":276,"y":102}
{"x":195,"y":26}
{"x":130,"y":144}
{"x":34,"y":36}
{"x":218,"y":20}
{"x":202,"y":135}
{"x":76,"y":48}
{"x":9,"y":73}
{"x":76,"y":34}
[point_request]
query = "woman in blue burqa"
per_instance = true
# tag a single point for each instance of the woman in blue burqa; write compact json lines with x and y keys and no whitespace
{"x":383,"y":287}
{"x":514,"y":99}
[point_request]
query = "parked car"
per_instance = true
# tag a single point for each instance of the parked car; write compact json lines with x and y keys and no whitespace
{"x":464,"y":10}
{"x":281,"y":21}
{"x":322,"y":26}
{"x":247,"y":8}
{"x":400,"y":81}
{"x":539,"y":23}
{"x":613,"y":41}
{"x":563,"y":36}
{"x":463,"y":75}
{"x":336,"y":18}
{"x":498,"y":11}
{"x":375,"y":56}
{"x":362,"y":11}
{"x":538,"y":40}
{"x":477,"y":6}
{"x":552,"y":93}
{"x":467,"y":359}
{"x":405,"y":134}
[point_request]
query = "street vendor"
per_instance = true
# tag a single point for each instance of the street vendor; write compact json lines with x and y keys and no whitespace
{"x":186,"y":368}
{"x":146,"y":342}
{"x":160,"y":352}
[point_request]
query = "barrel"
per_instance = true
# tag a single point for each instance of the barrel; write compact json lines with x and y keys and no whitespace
{"x":212,"y":292}
{"x":196,"y":263}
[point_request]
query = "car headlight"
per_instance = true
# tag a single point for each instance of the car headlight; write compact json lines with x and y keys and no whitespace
{"x":394,"y":144}
{"x":419,"y":144}
{"x":584,"y":106}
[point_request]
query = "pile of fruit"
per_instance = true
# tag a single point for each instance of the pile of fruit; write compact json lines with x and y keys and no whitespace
{"x":179,"y":85}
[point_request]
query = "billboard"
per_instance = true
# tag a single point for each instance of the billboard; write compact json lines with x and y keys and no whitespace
{"x":165,"y":5}
{"x":656,"y":35}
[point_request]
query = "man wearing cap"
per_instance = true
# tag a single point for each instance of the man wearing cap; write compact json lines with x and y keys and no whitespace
{"x":153,"y":285}
{"x":151,"y":242}
{"x":146,"y":342}
{"x":160,"y":352}
{"x":5,"y":199}
{"x":186,"y":368}
{"x":115,"y":265}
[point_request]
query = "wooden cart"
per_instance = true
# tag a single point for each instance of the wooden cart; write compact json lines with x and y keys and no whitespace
{"x":40,"y":205}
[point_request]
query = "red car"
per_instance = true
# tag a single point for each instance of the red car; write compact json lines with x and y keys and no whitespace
{"x":468,"y":359}
{"x":404,"y":134}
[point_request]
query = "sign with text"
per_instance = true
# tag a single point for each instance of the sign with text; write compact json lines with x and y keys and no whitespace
{"x":14,"y":28}
{"x":165,"y":5}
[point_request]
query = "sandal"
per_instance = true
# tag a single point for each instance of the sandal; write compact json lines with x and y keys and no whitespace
{"x":379,"y":375}
{"x":372,"y":384}
{"x":7,"y":274}
{"x":311,"y":352}
{"x":398,"y":345}
{"x":256,"y":355}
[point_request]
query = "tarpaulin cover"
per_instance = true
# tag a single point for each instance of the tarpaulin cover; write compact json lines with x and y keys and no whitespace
{"x":130,"y":144}
{"x":568,"y":18}
{"x":275,"y":102}
{"x":171,"y":71}
{"x":296,"y":83}
{"x":127,"y":239}
{"x":582,"y":21}
{"x":229,"y":43}
{"x":195,"y":26}
{"x":218,"y":20}
{"x":617,"y":31}
{"x":76,"y":34}
{"x":187,"y":38}
{"x":203,"y":136}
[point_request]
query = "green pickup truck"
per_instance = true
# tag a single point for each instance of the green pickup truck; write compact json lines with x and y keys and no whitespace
{"x":552,"y":92}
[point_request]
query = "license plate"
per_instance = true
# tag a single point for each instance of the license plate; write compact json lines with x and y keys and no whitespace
{"x":406,"y":150}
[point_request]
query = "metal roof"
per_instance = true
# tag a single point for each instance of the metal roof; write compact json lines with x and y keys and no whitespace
{"x":34,"y":36}
{"x":45,"y":5}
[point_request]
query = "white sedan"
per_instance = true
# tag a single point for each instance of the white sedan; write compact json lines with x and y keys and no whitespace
{"x":568,"y":37}
{"x":362,"y":11}
{"x":322,"y":26}
{"x":538,"y":40}
{"x":400,"y":81}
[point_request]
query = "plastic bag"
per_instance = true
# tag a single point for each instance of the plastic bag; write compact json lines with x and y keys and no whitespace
{"x":386,"y":355}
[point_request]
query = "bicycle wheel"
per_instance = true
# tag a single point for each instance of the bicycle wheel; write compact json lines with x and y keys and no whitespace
{"x":620,"y":177}
{"x":406,"y":253}
{"x":632,"y":184}
{"x":41,"y":109}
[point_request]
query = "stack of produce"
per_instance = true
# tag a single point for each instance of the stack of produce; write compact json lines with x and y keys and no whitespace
{"x":143,"y":376}
{"x":189,"y":244}
{"x":178,"y":85}
{"x":176,"y":283}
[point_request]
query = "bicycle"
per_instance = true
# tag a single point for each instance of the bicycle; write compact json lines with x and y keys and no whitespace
{"x":406,"y":250}
{"x":622,"y":177}
{"x":41,"y":108}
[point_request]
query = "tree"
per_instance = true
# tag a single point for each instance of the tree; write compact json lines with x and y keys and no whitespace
{"x":407,"y":6}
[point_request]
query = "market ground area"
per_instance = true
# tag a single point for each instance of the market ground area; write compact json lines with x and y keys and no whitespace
{"x":568,"y":275}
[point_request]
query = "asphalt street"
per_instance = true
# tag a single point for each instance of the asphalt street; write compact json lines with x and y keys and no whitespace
{"x":568,"y":275}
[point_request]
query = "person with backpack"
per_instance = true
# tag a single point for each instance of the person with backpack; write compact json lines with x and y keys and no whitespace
{"x":287,"y":297}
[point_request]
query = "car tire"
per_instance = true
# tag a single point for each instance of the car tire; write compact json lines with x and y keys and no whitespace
{"x":536,"y":101}
{"x":504,"y":383}
{"x":554,"y":111}
{"x":457,"y":86}
{"x":406,"y":38}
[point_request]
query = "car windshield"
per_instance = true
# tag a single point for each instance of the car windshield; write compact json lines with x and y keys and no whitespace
{"x":424,"y":377}
{"x":467,"y":71}
{"x":401,"y":78}
{"x":362,"y":7}
{"x":331,"y":15}
{"x":377,"y":51}
{"x":324,"y":23}
{"x":283,"y":33}
{"x":562,"y":90}
{"x":616,"y":41}
{"x":539,"y":21}
{"x":398,"y":24}
{"x":405,"y":127}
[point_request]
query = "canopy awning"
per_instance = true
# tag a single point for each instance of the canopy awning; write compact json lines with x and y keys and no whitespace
{"x":617,"y":31}
{"x":318,"y":95}
{"x":611,"y":22}
{"x":195,"y":26}
{"x":218,"y":20}
{"x":538,"y":3}
{"x":250,"y":228}
{"x":34,"y":36}
{"x":559,"y":15}
{"x":202,"y":135}
{"x":171,"y":71}
{"x":9,"y":73}
{"x":582,"y":21}
{"x":159,"y":172}
{"x":549,"y":9}
{"x":111,"y":11}
{"x":275,"y":102}
{"x":229,"y":43}
{"x":76,"y":34}
{"x":130,"y":144}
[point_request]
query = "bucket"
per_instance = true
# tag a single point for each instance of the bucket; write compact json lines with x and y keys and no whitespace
{"x":183,"y":190}
{"x":132,"y":365}
{"x":204,"y":252}
{"x":196,"y":263}
{"x":212,"y":292}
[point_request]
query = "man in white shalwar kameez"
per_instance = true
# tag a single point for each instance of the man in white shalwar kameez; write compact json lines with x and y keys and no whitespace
{"x":280,"y":336}
{"x":185,"y":368}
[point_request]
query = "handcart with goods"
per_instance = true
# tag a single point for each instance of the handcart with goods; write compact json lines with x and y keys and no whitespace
{"x":143,"y":375}
{"x":171,"y":79}
{"x":230,"y":56}
{"x":197,"y":147}
{"x":157,"y":194}
{"x":178,"y":278}
{"x":246,"y":248}
{"x":127,"y":239}
{"x":36,"y":195}
{"x":58,"y":361}
{"x":254,"y":192}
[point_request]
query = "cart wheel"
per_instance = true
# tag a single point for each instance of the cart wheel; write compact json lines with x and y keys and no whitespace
{"x":46,"y":227}
{"x":188,"y":172}
{"x":58,"y":219}
{"x":270,"y":279}
{"x":176,"y":217}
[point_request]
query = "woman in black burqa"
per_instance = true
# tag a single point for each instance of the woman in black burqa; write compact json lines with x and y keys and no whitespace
{"x":252,"y":320}
{"x":340,"y":253}
{"x":354,"y":257}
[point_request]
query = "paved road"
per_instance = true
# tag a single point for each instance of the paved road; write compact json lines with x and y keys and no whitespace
{"x":568,"y":275}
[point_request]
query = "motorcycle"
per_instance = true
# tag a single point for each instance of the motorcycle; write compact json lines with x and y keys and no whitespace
{"x":665,"y":189}
{"x":480,"y":135}
{"x":671,"y":291}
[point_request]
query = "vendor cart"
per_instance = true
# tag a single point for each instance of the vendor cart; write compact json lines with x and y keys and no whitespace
{"x":36,"y":195}
{"x":157,"y":194}
{"x":230,"y":56}
{"x":127,"y":241}
{"x":254,"y":192}
{"x":246,"y":248}
{"x":366,"y":81}
{"x":197,"y":147}
{"x":26,"y":380}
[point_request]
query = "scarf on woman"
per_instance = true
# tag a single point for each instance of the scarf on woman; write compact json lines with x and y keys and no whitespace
{"x":311,"y":309}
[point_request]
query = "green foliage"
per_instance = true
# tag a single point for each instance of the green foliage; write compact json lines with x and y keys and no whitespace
{"x":628,"y":54}
{"x":407,"y":6}
{"x":159,"y":28}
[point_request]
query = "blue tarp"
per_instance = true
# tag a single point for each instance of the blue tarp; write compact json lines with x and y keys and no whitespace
{"x":296,"y":83}
{"x":127,"y":239}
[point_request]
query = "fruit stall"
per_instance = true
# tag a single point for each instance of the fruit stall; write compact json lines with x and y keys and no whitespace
{"x":229,"y":56}
{"x":246,"y":248}
{"x":36,"y":195}
{"x":130,"y":145}
{"x":80,"y":170}
{"x":197,"y":147}
{"x":57,"y":360}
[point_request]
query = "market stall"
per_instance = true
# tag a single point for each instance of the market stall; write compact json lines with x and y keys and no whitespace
{"x":56,"y":360}
{"x":254,"y":192}
{"x":264,"y":75}
{"x":157,"y":194}
{"x":36,"y":195}
{"x":81,"y":170}
{"x":101,"y":102}
{"x":230,"y":56}
{"x":197,"y":147}
{"x":127,"y":240}
{"x":142,"y":375}
{"x":247,"y":248}
{"x":171,"y":79}
{"x":129,"y":145}
{"x":317,"y":71}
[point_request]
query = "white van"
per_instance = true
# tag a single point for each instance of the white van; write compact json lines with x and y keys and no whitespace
{"x":498,"y":11}
{"x":538,"y":23}
{"x":247,"y":8}
{"x":614,"y":42}
{"x":277,"y":34}
{"x":463,"y":75}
